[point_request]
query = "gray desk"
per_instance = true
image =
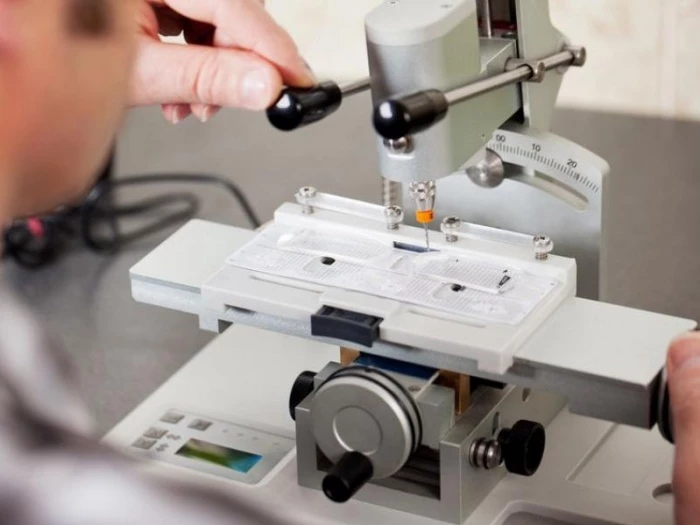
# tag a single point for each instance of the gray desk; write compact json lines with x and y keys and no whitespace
{"x":123,"y":350}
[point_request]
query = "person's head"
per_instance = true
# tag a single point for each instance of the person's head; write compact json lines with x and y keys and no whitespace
{"x":64,"y":73}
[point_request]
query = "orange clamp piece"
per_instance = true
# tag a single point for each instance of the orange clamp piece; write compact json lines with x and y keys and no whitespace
{"x":425,"y":217}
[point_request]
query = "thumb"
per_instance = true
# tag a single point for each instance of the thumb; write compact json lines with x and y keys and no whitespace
{"x":176,"y":74}
{"x":684,"y":389}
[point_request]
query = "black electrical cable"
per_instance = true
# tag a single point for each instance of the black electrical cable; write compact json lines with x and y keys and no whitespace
{"x":184,"y":178}
{"x":97,"y":221}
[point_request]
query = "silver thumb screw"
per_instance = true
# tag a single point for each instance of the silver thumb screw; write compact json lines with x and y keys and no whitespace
{"x":304,"y":197}
{"x":543,"y":247}
{"x":394,"y":217}
{"x":450,"y":227}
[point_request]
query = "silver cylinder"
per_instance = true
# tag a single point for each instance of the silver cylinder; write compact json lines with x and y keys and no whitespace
{"x":354,"y":87}
{"x":484,"y":10}
{"x":522,"y":73}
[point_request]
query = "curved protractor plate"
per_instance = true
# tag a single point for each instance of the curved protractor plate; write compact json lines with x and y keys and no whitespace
{"x":554,"y":164}
{"x":555,"y":188}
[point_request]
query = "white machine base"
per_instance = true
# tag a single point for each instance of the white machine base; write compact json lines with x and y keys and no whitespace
{"x":594,"y":473}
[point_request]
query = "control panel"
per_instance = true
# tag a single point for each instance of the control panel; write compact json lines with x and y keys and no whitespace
{"x":234,"y":451}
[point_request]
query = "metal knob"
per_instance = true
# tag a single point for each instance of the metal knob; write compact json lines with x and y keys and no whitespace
{"x":489,"y":172}
{"x":543,"y":247}
{"x":664,"y":416}
{"x":365,"y":410}
{"x":411,"y":114}
{"x":523,"y":447}
{"x":450,"y":227}
{"x":299,"y":107}
{"x":347,"y":476}
{"x":486,"y":453}
{"x":303,"y":386}
{"x":305,"y":196}
{"x":394,"y":217}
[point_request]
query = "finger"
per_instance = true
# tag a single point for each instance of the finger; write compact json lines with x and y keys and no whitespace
{"x":245,"y":24}
{"x":176,"y":113}
{"x":204,"y":112}
{"x":684,"y":388}
{"x":147,"y":20}
{"x":172,"y":73}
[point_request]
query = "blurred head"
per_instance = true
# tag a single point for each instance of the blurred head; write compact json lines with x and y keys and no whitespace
{"x":64,"y":72}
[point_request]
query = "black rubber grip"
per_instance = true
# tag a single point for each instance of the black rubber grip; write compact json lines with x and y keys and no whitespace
{"x":665,"y":419}
{"x":348,"y":476}
{"x":401,"y":117}
{"x":299,"y":107}
{"x":523,"y":447}
{"x":302,"y":388}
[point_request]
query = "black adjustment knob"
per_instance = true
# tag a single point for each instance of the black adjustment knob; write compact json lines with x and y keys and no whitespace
{"x":664,"y":416}
{"x":298,"y":107}
{"x":347,"y":476}
{"x":523,"y":447}
{"x":401,"y":117}
{"x":302,"y":387}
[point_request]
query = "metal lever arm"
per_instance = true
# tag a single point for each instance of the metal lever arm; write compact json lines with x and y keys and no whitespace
{"x":411,"y":114}
{"x":299,"y":107}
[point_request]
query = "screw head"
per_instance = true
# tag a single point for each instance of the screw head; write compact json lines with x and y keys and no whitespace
{"x":394,"y":216}
{"x":304,"y":197}
{"x":307,"y":192}
{"x":580,"y":55}
{"x":451,"y":225}
{"x":543,"y":247}
{"x":400,"y":146}
{"x":539,"y":71}
{"x":485,"y":453}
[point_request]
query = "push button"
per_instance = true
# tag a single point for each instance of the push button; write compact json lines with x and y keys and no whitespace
{"x":172,"y":417}
{"x":200,"y":424}
{"x":143,"y":443}
{"x":155,"y":433}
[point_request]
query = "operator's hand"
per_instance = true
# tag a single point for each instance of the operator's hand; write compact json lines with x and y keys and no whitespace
{"x":684,"y":388}
{"x":237,"y":56}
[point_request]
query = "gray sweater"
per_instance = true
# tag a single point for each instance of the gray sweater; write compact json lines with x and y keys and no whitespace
{"x":52,"y":469}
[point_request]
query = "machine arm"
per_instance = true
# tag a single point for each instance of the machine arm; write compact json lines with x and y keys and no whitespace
{"x":400,"y":117}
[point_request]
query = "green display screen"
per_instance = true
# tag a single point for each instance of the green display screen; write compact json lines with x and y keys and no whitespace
{"x":230,"y":458}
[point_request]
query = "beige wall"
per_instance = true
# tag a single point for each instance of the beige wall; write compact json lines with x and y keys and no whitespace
{"x":644,"y":54}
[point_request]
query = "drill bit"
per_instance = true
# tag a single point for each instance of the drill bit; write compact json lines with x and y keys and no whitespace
{"x":423,"y":193}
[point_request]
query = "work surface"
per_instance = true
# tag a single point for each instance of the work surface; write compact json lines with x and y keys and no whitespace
{"x":123,"y":350}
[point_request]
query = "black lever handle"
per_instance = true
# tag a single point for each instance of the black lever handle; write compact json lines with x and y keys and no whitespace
{"x":298,"y":107}
{"x":348,"y":476}
{"x":400,"y":117}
